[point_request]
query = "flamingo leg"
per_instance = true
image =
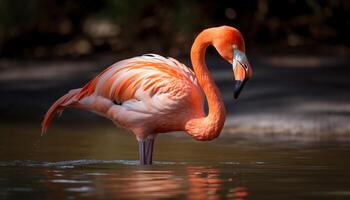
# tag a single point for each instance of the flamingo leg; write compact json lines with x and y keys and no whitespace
{"x":142,"y":152}
{"x":149,"y":150}
{"x":146,"y":151}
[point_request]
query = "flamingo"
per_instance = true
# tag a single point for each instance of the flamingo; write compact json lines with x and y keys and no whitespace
{"x":151,"y":94}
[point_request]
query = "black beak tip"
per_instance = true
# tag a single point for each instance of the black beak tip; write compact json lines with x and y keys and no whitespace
{"x":235,"y":95}
{"x":238,"y":88}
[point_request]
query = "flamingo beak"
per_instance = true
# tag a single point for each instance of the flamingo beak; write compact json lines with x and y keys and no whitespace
{"x":238,"y":88}
{"x":240,"y":67}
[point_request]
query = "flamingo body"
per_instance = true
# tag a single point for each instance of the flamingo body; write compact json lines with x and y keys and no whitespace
{"x":148,"y":94}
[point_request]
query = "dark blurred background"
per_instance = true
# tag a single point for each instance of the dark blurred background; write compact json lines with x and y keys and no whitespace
{"x":299,"y":51}
{"x":56,"y":28}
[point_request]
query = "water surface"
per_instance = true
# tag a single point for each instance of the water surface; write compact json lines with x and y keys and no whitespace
{"x":101,"y":163}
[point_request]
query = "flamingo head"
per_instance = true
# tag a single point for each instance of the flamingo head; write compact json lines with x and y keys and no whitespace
{"x":229,"y":42}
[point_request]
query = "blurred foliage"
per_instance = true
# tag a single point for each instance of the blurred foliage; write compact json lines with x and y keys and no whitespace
{"x":39,"y":28}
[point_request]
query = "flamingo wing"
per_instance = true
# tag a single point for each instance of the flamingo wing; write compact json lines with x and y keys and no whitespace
{"x":136,"y":89}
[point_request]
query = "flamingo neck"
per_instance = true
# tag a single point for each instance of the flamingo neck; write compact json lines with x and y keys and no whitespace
{"x":210,"y":126}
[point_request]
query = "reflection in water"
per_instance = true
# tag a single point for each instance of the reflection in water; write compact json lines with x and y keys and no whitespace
{"x":140,"y":184}
{"x":205,"y":183}
{"x":283,"y":170}
{"x":190,"y":182}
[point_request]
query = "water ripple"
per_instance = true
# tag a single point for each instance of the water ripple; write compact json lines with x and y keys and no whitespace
{"x":69,"y":181}
{"x":80,"y":189}
{"x":74,"y":163}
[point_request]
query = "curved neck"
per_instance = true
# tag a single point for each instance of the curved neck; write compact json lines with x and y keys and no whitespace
{"x":210,"y":126}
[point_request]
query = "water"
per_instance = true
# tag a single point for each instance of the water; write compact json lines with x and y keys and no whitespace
{"x":101,"y":163}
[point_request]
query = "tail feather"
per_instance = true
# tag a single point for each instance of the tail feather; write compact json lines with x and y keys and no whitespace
{"x":58,"y":106}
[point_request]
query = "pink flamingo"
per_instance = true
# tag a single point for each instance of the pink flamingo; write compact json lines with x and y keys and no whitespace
{"x":151,"y":94}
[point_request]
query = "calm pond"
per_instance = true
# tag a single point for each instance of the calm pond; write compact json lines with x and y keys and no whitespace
{"x":101,"y":163}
